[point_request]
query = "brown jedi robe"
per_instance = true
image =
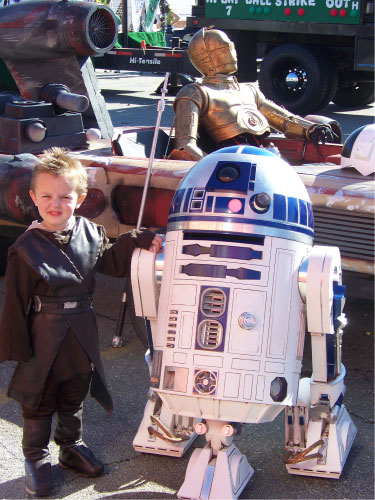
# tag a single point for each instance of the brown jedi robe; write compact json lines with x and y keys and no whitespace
{"x":58,"y":265}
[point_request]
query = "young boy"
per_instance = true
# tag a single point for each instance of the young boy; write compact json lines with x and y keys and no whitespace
{"x":48,"y":324}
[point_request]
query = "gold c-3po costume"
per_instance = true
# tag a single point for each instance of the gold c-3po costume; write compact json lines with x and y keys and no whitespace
{"x":230,"y":112}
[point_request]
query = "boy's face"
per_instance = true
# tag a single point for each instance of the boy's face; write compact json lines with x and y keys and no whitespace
{"x":56,"y":198}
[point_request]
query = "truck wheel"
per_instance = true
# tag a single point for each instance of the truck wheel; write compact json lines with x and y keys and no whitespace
{"x":292,"y":76}
{"x":359,"y":94}
{"x":330,"y":70}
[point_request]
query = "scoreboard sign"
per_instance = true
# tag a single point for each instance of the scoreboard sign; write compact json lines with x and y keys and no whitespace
{"x":318,"y":11}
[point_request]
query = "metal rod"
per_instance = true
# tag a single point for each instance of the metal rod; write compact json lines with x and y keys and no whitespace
{"x":117,"y":340}
{"x":161,"y":105}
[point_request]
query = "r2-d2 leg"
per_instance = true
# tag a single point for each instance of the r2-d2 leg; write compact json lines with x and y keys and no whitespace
{"x":161,"y":432}
{"x":319,"y":430}
{"x":219,"y":470}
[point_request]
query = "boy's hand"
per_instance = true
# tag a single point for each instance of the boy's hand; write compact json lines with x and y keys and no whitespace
{"x":156,"y":244}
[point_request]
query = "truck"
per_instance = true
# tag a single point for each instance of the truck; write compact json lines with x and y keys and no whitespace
{"x":311,"y":52}
{"x":303,"y":53}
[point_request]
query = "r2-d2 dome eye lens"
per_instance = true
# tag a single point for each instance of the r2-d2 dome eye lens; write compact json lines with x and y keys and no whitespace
{"x":228,"y":173}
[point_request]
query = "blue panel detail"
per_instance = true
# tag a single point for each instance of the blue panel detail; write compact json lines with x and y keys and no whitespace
{"x":301,"y":420}
{"x":278,"y":225}
{"x":292,"y":209}
{"x":196,"y":206}
{"x":222,"y":251}
{"x":244,"y":274}
{"x":176,"y":202}
{"x":214,"y":271}
{"x":279,"y":207}
{"x":310,"y":216}
{"x":339,"y":400}
{"x":240,"y":184}
{"x":331,"y":356}
{"x":246,"y":239}
{"x":253,"y":171}
{"x":252,"y":177}
{"x":230,"y":149}
{"x":229,"y":252}
{"x":247,"y":150}
{"x":302,"y":212}
{"x":252,"y":150}
{"x":338,"y":304}
{"x":204,"y":270}
{"x":197,"y":200}
{"x":209,"y":203}
{"x":222,"y":319}
{"x":290,"y":420}
{"x":198,"y":193}
{"x":221,"y":205}
{"x":339,"y":290}
{"x":187,"y":200}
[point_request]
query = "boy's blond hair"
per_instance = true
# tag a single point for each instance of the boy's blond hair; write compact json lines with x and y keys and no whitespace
{"x":57,"y":161}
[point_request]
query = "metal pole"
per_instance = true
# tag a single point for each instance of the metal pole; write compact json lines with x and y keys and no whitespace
{"x":118,"y":339}
{"x":161,"y":106}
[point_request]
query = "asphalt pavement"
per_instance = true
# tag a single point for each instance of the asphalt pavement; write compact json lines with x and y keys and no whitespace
{"x":133,"y":475}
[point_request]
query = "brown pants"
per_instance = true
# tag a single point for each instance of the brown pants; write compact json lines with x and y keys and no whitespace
{"x":60,"y":396}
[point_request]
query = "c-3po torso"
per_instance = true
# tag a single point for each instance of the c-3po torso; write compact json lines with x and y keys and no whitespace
{"x":229,"y":109}
{"x":226,"y":109}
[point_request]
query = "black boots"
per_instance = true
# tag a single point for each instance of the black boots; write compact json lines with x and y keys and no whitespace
{"x":35,"y":440}
{"x":74,"y":454}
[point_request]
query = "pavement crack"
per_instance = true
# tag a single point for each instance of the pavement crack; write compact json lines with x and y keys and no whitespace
{"x":123,"y":460}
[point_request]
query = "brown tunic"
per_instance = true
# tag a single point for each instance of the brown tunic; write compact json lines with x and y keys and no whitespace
{"x":58,"y":265}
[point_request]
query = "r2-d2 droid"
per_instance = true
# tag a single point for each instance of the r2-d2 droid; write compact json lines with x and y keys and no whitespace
{"x":240,"y":281}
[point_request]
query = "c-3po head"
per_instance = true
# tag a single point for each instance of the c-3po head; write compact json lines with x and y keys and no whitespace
{"x":212,"y":52}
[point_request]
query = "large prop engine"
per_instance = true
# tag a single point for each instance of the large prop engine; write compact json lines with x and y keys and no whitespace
{"x":44,"y":42}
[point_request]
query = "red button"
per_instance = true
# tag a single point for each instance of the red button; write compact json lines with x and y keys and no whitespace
{"x":301,"y":12}
{"x":287,"y":11}
{"x":342,"y":12}
{"x":334,"y":12}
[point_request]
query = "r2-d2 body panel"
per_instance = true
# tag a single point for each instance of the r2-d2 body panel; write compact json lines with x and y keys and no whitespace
{"x":230,"y":332}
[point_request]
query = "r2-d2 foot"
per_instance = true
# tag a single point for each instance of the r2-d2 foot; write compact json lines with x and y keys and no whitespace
{"x":319,"y":430}
{"x":219,"y":470}
{"x":318,"y":437}
{"x":161,"y":432}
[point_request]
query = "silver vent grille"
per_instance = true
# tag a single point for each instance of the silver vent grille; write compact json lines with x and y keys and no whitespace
{"x":210,"y":334}
{"x":213,"y":302}
{"x":352,"y":232}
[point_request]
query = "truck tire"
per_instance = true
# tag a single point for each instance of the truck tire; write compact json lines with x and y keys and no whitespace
{"x":359,"y":94}
{"x":294,"y":77}
{"x":330,"y":70}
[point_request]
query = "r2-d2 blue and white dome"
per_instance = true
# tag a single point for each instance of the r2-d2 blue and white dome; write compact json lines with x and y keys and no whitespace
{"x":243,"y":189}
{"x":240,"y":282}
